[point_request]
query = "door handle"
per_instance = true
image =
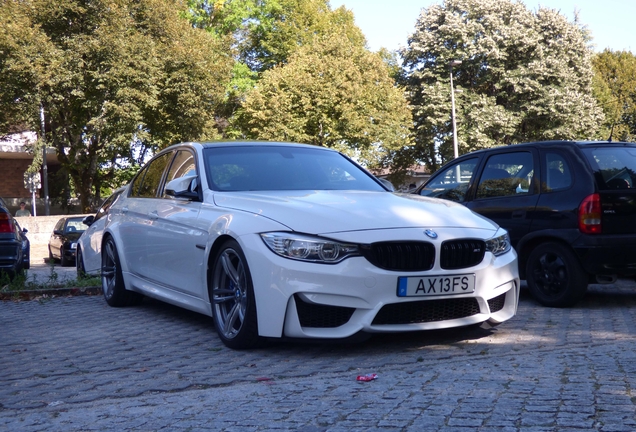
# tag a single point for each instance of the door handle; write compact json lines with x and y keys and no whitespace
{"x":124,"y":209}
{"x":153,"y":215}
{"x":518,"y":214}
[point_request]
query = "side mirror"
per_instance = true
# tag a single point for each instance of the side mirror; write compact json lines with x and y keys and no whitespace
{"x":183,"y":187}
{"x":58,"y":232}
{"x":88,"y":220}
{"x":24,"y":230}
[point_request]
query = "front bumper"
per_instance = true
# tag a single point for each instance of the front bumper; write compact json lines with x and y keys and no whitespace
{"x":308,"y":300}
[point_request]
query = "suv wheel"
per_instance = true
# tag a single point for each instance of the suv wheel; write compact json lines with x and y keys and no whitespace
{"x":555,"y":277}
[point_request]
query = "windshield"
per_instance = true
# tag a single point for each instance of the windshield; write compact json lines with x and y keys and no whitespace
{"x":74,"y":225}
{"x":614,"y":167}
{"x":276,"y":168}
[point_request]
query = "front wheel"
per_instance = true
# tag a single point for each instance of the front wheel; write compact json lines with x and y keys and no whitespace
{"x":113,"y":287}
{"x":555,"y":277}
{"x":232,"y":298}
{"x":79,"y":264}
{"x":63,"y":259}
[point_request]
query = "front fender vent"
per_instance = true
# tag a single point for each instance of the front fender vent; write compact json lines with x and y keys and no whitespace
{"x":321,"y":316}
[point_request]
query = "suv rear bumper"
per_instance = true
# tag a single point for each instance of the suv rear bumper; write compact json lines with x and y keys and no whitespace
{"x":607,"y":254}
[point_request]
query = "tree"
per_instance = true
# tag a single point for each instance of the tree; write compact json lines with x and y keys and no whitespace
{"x":331,"y":93}
{"x":615,"y":89}
{"x":266,"y":33}
{"x":116,"y":79}
{"x":524,"y":76}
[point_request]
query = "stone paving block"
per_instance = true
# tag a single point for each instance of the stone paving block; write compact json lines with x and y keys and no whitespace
{"x":547,"y":369}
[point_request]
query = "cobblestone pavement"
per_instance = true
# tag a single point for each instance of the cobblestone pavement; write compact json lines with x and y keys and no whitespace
{"x":70,"y":364}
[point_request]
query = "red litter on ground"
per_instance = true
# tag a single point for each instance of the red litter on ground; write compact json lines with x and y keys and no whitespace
{"x":367,"y":377}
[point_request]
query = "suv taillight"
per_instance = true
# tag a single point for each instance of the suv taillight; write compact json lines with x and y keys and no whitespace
{"x":590,"y":215}
{"x":6,"y":224}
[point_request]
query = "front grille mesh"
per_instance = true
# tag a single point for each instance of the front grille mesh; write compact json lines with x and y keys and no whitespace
{"x":427,"y":311}
{"x":400,"y":256}
{"x":463,"y":253}
{"x":321,"y":316}
{"x":496,"y":304}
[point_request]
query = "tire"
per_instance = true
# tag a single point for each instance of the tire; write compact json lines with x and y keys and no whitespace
{"x":554,"y":275}
{"x":63,"y":259}
{"x":79,"y":264}
{"x":232,"y":298}
{"x":113,"y":287}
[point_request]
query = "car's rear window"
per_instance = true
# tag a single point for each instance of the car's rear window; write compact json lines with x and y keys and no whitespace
{"x":273,"y":168}
{"x":614,"y":167}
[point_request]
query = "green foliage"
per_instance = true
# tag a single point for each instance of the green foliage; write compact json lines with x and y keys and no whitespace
{"x":615,"y":89}
{"x":265,"y":33}
{"x":524,"y":76}
{"x":116,"y":78}
{"x":331,"y":93}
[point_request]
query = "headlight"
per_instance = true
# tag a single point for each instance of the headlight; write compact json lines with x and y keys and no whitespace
{"x":500,"y":244}
{"x":307,"y":248}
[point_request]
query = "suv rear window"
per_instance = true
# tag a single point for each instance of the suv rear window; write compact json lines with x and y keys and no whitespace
{"x":614,"y":167}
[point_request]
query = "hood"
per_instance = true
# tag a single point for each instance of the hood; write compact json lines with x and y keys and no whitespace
{"x":323,"y":212}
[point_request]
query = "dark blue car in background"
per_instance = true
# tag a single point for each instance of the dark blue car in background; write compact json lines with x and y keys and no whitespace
{"x":14,"y":244}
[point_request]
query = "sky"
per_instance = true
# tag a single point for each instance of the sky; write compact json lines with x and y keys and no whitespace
{"x":388,"y":23}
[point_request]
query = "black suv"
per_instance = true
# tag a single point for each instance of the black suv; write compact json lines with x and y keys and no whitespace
{"x":569,"y":207}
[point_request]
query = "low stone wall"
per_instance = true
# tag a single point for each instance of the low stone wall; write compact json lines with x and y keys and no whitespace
{"x":40,"y":227}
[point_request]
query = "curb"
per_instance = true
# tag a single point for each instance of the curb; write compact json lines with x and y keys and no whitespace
{"x":51,"y":293}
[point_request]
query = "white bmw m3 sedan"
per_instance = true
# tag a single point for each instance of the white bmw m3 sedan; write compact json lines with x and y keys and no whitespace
{"x":280,"y":240}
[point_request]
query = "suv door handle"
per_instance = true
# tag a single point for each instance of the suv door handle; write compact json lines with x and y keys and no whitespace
{"x":153,"y":215}
{"x":518,"y":214}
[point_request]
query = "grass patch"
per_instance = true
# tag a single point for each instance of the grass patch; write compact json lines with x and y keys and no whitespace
{"x":24,"y":282}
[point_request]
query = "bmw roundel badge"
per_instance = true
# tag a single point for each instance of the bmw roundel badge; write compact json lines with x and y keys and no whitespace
{"x":432,"y":234}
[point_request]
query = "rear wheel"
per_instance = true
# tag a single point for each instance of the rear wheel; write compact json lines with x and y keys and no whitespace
{"x":232,"y":297}
{"x":113,"y":287}
{"x":555,"y":277}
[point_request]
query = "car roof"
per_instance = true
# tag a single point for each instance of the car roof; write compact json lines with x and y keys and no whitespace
{"x":553,"y":143}
{"x":212,"y":144}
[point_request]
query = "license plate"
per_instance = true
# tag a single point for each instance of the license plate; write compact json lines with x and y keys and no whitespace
{"x":416,"y":286}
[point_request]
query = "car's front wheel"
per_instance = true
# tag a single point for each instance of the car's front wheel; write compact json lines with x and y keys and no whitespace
{"x":79,"y":264}
{"x":232,"y":298}
{"x":555,"y":277}
{"x":113,"y":287}
{"x":63,"y":259}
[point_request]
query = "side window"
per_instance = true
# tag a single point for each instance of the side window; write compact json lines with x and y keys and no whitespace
{"x":152,"y":177}
{"x":183,"y":165}
{"x":506,"y":174}
{"x":136,"y":182}
{"x":451,"y":183}
{"x":59,"y":226}
{"x":557,"y":174}
{"x":103,"y":209}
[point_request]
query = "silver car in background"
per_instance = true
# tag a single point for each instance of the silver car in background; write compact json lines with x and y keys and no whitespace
{"x":89,"y":246}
